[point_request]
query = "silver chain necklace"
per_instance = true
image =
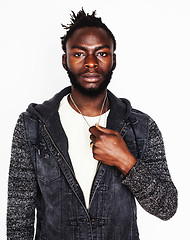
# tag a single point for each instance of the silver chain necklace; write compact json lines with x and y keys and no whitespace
{"x":105,"y":98}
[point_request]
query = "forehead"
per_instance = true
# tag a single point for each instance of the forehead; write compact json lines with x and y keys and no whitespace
{"x":90,"y":37}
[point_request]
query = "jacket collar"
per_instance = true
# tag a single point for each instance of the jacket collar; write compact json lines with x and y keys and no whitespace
{"x":120,"y":109}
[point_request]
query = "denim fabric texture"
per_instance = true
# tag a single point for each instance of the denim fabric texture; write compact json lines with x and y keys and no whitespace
{"x":41,"y":176}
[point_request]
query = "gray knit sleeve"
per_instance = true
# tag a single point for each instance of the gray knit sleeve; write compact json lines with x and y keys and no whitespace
{"x":22,"y":188}
{"x":150,"y":180}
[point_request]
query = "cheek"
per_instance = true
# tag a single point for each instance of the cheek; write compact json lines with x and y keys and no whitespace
{"x":106,"y":65}
{"x":74,"y":65}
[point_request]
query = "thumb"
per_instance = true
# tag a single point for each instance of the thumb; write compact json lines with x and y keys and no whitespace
{"x":104,"y":130}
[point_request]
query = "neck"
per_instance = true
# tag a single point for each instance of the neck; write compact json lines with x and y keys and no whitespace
{"x":88,"y":106}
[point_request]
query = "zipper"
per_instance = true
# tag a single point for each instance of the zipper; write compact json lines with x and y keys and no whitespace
{"x":122,"y":128}
{"x":59,"y":151}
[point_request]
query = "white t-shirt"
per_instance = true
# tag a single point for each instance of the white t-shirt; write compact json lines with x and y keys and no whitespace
{"x":80,"y":152}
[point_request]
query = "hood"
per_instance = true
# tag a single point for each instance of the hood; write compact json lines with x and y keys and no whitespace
{"x":120,"y":108}
{"x":45,"y":110}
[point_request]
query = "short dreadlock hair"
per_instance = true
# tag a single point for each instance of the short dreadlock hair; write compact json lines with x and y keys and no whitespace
{"x":80,"y":20}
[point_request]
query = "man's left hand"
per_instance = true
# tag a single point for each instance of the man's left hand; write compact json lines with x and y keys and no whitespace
{"x":110,"y":149}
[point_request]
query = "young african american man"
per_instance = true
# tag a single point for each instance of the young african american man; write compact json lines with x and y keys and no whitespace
{"x":81,"y":158}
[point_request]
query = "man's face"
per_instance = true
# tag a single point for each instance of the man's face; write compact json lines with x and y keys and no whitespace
{"x":89,"y":60}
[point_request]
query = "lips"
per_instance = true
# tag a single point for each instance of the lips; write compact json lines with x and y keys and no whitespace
{"x":91,"y":77}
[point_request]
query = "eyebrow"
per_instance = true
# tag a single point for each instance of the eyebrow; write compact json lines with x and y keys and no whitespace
{"x":78,"y":47}
{"x":103,"y":46}
{"x":84,"y":49}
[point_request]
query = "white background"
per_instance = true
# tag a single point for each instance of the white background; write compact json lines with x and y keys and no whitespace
{"x":153,"y":71}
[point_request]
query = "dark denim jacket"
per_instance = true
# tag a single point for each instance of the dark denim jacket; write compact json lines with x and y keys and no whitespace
{"x":61,"y":210}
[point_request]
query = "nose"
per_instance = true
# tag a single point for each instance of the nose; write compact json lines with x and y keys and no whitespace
{"x":91,"y":62}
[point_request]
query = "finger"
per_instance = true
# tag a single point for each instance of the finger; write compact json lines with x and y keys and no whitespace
{"x":92,"y":138}
{"x":94,"y":131}
{"x":105,"y":130}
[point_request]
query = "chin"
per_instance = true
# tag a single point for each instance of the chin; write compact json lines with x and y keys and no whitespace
{"x":92,"y":91}
{"x":89,"y":92}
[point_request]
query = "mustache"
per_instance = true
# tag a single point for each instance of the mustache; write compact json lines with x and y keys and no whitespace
{"x":91,"y":73}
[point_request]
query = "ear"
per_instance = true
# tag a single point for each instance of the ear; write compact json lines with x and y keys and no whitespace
{"x":64,"y":59}
{"x":114,"y":61}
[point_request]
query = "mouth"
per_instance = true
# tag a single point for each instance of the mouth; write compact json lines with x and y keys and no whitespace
{"x":91,"y":77}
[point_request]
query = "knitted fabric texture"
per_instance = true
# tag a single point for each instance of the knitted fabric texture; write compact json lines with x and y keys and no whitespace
{"x":150,"y":180}
{"x":22,"y":188}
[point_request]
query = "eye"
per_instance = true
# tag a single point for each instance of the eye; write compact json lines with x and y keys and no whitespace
{"x":102,"y":54}
{"x":79,"y":54}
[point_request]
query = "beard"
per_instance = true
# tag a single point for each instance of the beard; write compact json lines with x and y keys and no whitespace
{"x":91,"y":92}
